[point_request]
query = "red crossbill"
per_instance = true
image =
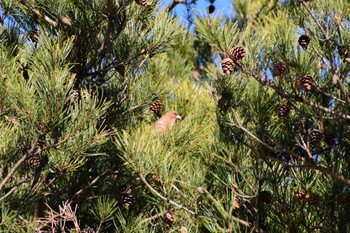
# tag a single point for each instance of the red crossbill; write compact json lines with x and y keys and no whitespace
{"x":166,"y":122}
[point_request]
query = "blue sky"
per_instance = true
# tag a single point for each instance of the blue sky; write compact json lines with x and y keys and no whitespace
{"x":221,"y":7}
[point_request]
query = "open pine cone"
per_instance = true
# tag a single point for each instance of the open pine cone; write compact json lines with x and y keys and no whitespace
{"x":237,"y":53}
{"x":227,"y":66}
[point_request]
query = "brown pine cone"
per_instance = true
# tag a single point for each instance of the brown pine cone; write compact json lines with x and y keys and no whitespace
{"x":304,"y":41}
{"x":227,"y":66}
{"x":315,"y":137}
{"x":127,"y":196}
{"x":280,"y":69}
{"x":237,"y":53}
{"x":300,"y":194}
{"x":344,"y":53}
{"x":143,"y":3}
{"x":283,"y":110}
{"x":169,"y":219}
{"x":34,"y":162}
{"x":156,"y":106}
{"x":307,"y":82}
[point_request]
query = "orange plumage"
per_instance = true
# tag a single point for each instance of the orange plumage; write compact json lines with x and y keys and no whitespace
{"x":166,"y":122}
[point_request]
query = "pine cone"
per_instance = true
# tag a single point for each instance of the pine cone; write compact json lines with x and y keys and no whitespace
{"x":283,"y":110}
{"x":169,"y":219}
{"x":237,"y":53}
{"x":34,"y":162}
{"x":280,"y":69}
{"x":156,"y":106}
{"x":227,"y":66}
{"x":343,"y":53}
{"x":304,"y":41}
{"x":126,"y":196}
{"x":328,"y":138}
{"x":300,"y":194}
{"x":143,"y":3}
{"x":307,"y":82}
{"x":315,"y":137}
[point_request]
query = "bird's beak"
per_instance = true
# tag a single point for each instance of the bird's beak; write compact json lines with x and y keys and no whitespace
{"x":178,"y":117}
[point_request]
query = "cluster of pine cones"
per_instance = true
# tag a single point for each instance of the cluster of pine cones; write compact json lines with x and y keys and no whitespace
{"x":236,"y":54}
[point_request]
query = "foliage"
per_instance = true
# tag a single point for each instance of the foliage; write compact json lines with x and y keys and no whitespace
{"x":78,"y":148}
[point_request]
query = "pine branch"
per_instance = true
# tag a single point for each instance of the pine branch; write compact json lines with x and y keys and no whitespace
{"x":14,"y":188}
{"x":294,"y":97}
{"x":291,"y":153}
{"x":155,"y":192}
{"x":64,"y":20}
{"x":29,"y":153}
{"x":173,"y":3}
{"x":38,"y":13}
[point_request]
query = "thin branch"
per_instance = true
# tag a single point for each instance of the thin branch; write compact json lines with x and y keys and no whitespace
{"x":305,"y":147}
{"x":29,"y":153}
{"x":173,"y":4}
{"x":94,"y":181}
{"x":316,"y":21}
{"x":291,"y":153}
{"x":13,"y":189}
{"x":238,"y":220}
{"x":295,"y":97}
{"x":38,"y":13}
{"x":155,"y":192}
{"x":241,"y":173}
{"x":152,"y":218}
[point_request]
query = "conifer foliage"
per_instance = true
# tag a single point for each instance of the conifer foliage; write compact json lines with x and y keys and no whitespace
{"x":261,"y":145}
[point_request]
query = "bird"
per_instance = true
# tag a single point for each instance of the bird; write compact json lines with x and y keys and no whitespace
{"x":166,"y":122}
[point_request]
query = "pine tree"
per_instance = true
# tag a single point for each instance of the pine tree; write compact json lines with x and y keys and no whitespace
{"x":262,"y":141}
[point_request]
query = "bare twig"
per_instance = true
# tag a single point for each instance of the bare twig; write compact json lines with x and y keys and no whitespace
{"x":173,"y":4}
{"x":305,"y":147}
{"x":146,"y":220}
{"x":38,"y":13}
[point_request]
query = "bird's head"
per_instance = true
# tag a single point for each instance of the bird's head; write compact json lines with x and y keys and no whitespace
{"x":173,"y":115}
